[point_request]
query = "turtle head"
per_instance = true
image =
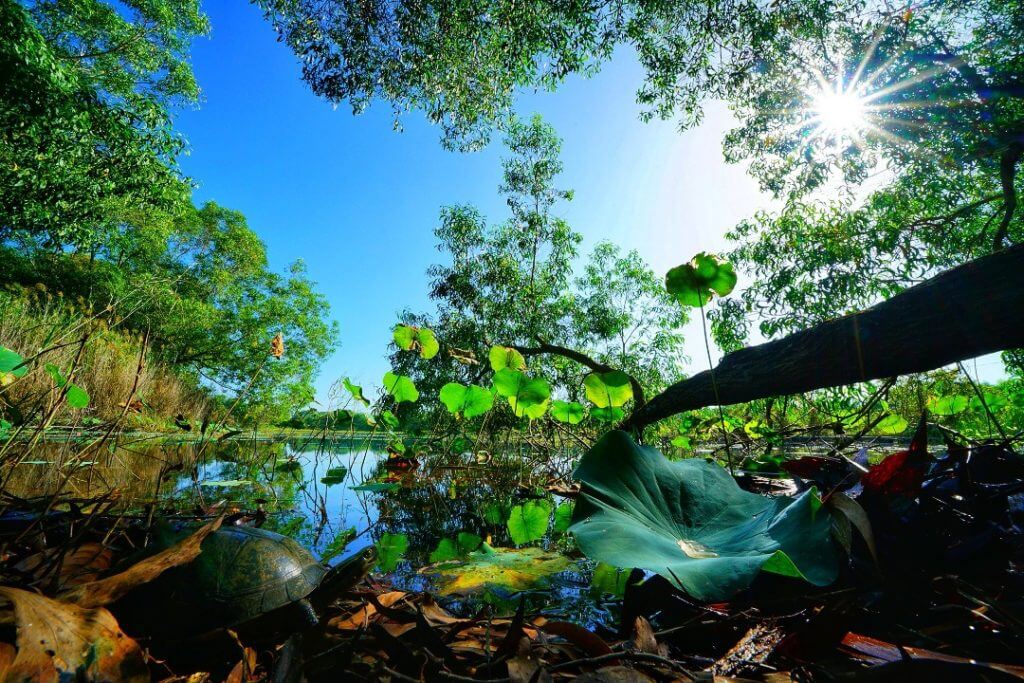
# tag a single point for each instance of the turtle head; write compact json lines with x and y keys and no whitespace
{"x":344,"y":576}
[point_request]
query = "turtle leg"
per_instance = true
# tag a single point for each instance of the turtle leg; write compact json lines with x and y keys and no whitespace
{"x":307,"y":613}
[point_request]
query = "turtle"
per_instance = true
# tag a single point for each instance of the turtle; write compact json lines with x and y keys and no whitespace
{"x":246,"y":579}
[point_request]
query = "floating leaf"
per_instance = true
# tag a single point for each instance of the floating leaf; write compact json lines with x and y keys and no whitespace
{"x":529,"y":521}
{"x":412,"y":338}
{"x":502,"y":357}
{"x":505,"y":568}
{"x":608,"y":389}
{"x":390,"y":549}
{"x":694,"y":283}
{"x":228,"y":483}
{"x":73,"y":394}
{"x":948,"y":405}
{"x":334,"y":475}
{"x":11,"y":362}
{"x":356,"y":391}
{"x":471,"y":401}
{"x":569,"y":412}
{"x":691,"y":523}
{"x":401,"y":388}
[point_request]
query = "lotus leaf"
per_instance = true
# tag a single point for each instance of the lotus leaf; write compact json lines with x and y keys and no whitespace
{"x":471,"y":401}
{"x":390,"y":549}
{"x":420,"y":339}
{"x":607,"y":414}
{"x":401,"y":388}
{"x":694,"y":283}
{"x":569,"y":412}
{"x":529,"y":521}
{"x":506,"y":568}
{"x":11,"y":362}
{"x":691,"y":523}
{"x":948,"y":405}
{"x":608,"y":389}
{"x":356,"y":391}
{"x":528,"y":397}
{"x":502,"y":357}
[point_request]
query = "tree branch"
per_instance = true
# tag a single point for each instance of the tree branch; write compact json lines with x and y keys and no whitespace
{"x":1007,"y":175}
{"x":962,"y":313}
{"x":545,"y":348}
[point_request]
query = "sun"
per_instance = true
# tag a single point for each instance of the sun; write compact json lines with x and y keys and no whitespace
{"x":839,"y":113}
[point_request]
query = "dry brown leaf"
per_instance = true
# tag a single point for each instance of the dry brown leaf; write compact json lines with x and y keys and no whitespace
{"x":614,"y":674}
{"x":645,"y":640}
{"x":112,"y":588}
{"x":243,"y":671}
{"x":58,"y":641}
{"x":84,"y":564}
{"x":361,"y":617}
{"x":587,"y":641}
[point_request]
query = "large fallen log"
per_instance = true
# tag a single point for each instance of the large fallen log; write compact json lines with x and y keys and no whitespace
{"x":971,"y":310}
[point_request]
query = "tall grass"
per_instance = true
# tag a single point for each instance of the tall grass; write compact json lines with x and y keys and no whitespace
{"x":104,"y":358}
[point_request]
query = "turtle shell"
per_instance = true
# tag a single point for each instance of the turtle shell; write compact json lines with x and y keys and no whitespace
{"x":242,"y":573}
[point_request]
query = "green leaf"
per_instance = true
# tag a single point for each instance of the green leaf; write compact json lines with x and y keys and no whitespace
{"x":569,"y":412}
{"x":12,"y":362}
{"x":228,"y":483}
{"x":608,"y":389}
{"x":609,"y":580}
{"x":471,"y":401}
{"x":691,"y":523}
{"x":891,"y":424}
{"x":356,"y":391}
{"x":389,"y":420}
{"x":696,"y":282}
{"x":506,"y":568}
{"x":75,"y":395}
{"x":401,"y":388}
{"x":390,"y":549}
{"x":607,"y":414}
{"x":412,"y":338}
{"x":563,"y":517}
{"x":5,"y":429}
{"x":449,"y":549}
{"x":334,"y":475}
{"x":338,"y":544}
{"x":994,"y":402}
{"x":502,"y":357}
{"x":529,"y":522}
{"x":947,"y":405}
{"x":528,"y":397}
{"x":681,"y":441}
{"x":495,"y":513}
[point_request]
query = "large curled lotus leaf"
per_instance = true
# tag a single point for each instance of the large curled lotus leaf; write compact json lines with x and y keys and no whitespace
{"x":507,"y":568}
{"x":568,"y":412}
{"x":401,"y":388}
{"x":471,"y":401}
{"x":608,"y":389}
{"x":691,"y":523}
{"x":696,"y":282}
{"x":502,"y":357}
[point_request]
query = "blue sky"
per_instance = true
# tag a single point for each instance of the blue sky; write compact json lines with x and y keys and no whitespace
{"x":358,"y":202}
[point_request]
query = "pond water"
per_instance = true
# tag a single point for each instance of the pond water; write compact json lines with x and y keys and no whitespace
{"x":338,"y":497}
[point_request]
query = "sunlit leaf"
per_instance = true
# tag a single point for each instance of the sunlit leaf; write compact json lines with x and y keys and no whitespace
{"x":563,"y":517}
{"x":420,"y":339}
{"x":401,"y":388}
{"x":891,"y":424}
{"x":471,"y":401}
{"x":994,"y":402}
{"x":527,"y":397}
{"x":11,"y":362}
{"x":690,"y":522}
{"x":356,"y":391}
{"x":681,"y":441}
{"x":502,"y":357}
{"x":947,"y":405}
{"x":75,"y":395}
{"x":569,"y":412}
{"x":507,"y":568}
{"x":390,"y":549}
{"x":694,"y":283}
{"x":529,"y":521}
{"x":608,"y":389}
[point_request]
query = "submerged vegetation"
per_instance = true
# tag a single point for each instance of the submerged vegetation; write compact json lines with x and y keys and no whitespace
{"x":534,"y":489}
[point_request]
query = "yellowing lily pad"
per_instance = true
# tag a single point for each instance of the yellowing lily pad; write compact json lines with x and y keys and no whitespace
{"x":507,"y":568}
